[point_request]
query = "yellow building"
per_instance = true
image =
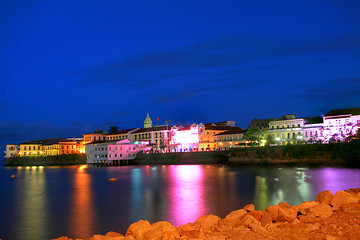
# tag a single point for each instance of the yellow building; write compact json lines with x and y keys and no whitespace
{"x":30,"y":148}
{"x":287,"y":129}
{"x":230,"y":139}
{"x":49,"y":147}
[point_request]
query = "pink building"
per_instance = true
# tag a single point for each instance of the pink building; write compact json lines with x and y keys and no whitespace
{"x":185,"y":139}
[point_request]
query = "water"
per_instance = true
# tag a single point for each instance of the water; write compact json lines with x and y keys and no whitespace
{"x":49,"y":202}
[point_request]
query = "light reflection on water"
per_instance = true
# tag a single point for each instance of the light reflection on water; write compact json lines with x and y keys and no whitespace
{"x":45,"y":203}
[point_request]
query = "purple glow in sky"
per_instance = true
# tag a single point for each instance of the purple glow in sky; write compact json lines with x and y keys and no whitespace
{"x":70,"y":67}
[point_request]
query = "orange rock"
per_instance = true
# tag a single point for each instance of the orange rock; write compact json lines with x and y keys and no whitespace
{"x":256,"y":214}
{"x":161,"y":230}
{"x":308,"y":218}
{"x":289,"y":213}
{"x":322,"y":210}
{"x":324,"y":197}
{"x":273,"y":211}
{"x":249,"y":220}
{"x":138,"y":229}
{"x":249,"y":207}
{"x":305,"y":206}
{"x":284,"y":205}
{"x":234,"y":218}
{"x":63,"y":238}
{"x":353,"y":205}
{"x":342,"y":197}
{"x":114,"y":235}
{"x":265,"y":218}
{"x":208,"y":221}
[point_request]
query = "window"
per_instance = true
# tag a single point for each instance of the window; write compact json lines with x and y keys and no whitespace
{"x":272,"y":127}
{"x":277,"y":127}
{"x":116,"y":155}
{"x":288,"y":135}
{"x":120,"y":155}
{"x":155,"y":135}
{"x":299,"y":125}
{"x":288,"y":126}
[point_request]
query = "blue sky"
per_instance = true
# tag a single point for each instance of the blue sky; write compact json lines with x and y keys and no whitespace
{"x":70,"y":67}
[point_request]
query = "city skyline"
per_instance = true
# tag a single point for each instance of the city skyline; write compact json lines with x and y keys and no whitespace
{"x":73,"y":67}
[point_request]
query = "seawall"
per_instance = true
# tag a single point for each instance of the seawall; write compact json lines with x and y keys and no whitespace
{"x":58,"y":160}
{"x":181,"y":158}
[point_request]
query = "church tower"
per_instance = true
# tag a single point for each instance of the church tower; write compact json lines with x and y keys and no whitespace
{"x":147,"y":122}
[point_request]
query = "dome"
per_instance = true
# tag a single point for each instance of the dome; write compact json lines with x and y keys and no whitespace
{"x":147,"y":122}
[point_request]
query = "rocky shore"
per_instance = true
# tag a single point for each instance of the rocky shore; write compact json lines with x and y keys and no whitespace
{"x":329,"y":217}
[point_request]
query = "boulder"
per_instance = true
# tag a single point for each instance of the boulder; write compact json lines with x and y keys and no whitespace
{"x":138,"y":229}
{"x":249,"y":221}
{"x":61,"y":238}
{"x":249,"y":207}
{"x":322,"y":210}
{"x":190,"y":230}
{"x":234,"y":218}
{"x":341,"y":197}
{"x":324,"y":197}
{"x":273,"y":211}
{"x":256,"y":214}
{"x":284,"y":205}
{"x":304,"y":208}
{"x":265,"y":218}
{"x":114,"y":235}
{"x":208,"y":221}
{"x":352,"y":205}
{"x":161,"y":230}
{"x":289,"y":214}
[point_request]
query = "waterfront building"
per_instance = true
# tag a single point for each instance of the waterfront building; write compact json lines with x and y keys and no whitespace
{"x":286,"y":130}
{"x":210,"y":130}
{"x":185,"y":138}
{"x":340,"y":124}
{"x":230,"y":139}
{"x":158,"y":137}
{"x":12,"y":150}
{"x":111,"y":153}
{"x":122,"y":134}
{"x":31,"y":148}
{"x":98,"y":135}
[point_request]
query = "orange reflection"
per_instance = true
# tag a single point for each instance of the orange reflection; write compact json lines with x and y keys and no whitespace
{"x":82,"y":212}
{"x":187,"y":193}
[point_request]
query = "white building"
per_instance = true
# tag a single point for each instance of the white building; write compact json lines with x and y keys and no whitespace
{"x":12,"y":150}
{"x":114,"y":153}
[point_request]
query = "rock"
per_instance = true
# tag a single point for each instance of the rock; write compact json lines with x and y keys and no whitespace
{"x":259,"y":229}
{"x":322,"y":210}
{"x":249,"y":220}
{"x":342,"y":197}
{"x":61,"y":238}
{"x":256,"y":214}
{"x":114,"y":235}
{"x":161,"y":230}
{"x":308,"y":218}
{"x":249,"y":207}
{"x":304,"y":208}
{"x":353,"y":205}
{"x":288,"y":213}
{"x":138,"y":229}
{"x":284,"y":205}
{"x":191,"y":230}
{"x":265,"y":218}
{"x":234,"y":218}
{"x":98,"y":237}
{"x":208,"y":221}
{"x":273,"y":211}
{"x":324,"y":197}
{"x":312,"y":227}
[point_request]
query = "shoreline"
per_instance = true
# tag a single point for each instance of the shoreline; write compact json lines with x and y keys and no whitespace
{"x":330,"y":216}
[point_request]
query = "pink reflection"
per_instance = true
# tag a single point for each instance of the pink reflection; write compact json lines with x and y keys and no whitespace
{"x":82,"y":217}
{"x":187,"y":203}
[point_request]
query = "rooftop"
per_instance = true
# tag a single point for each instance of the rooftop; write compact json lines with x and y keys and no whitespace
{"x":348,"y":111}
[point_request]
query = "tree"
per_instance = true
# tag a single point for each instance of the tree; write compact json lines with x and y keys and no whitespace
{"x":255,"y":134}
{"x":113,"y":129}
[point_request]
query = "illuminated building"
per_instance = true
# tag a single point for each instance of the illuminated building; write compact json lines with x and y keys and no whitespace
{"x":210,"y":130}
{"x":122,"y":134}
{"x":98,"y":135}
{"x":111,"y":153}
{"x":230,"y":139}
{"x":341,"y":123}
{"x":159,"y":137}
{"x":147,"y":122}
{"x":11,"y":150}
{"x":49,"y":147}
{"x":287,"y":129}
{"x":185,"y":138}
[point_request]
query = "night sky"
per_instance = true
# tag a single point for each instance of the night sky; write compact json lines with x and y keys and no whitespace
{"x":71,"y":67}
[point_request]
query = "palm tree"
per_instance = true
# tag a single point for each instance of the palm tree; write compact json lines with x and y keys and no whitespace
{"x":113,"y":129}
